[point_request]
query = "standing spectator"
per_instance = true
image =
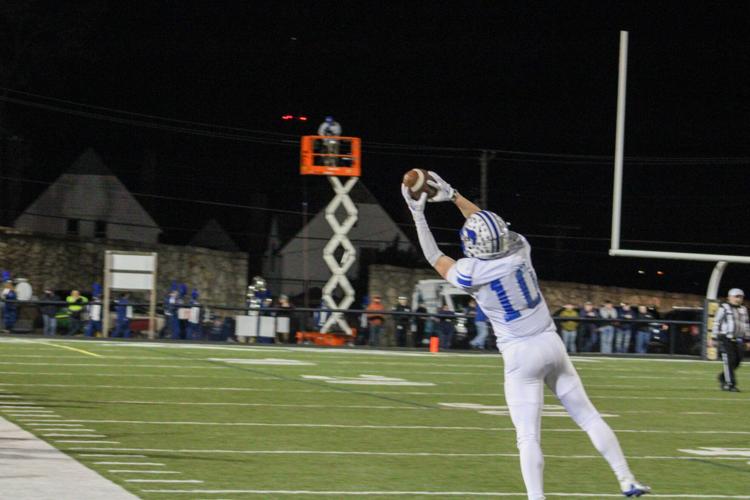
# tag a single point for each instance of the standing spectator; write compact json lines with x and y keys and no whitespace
{"x":607,"y":330}
{"x":643,"y":330}
{"x":446,"y":326}
{"x":363,"y":333}
{"x":321,"y":315}
{"x":183,"y":312}
{"x":48,"y":312}
{"x":10,"y":309}
{"x":625,"y":329}
{"x":171,"y":322}
{"x":124,"y":313}
{"x":420,"y":326}
{"x":731,"y":329}
{"x":76,"y":303}
{"x":330,"y":128}
{"x":483,"y":329}
{"x":403,"y":322}
{"x":194,"y":318}
{"x":285,"y":328}
{"x":94,"y":324}
{"x":375,"y":319}
{"x":589,"y":329}
{"x":569,"y":328}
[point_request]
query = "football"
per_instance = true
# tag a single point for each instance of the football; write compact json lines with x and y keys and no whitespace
{"x":416,"y":180}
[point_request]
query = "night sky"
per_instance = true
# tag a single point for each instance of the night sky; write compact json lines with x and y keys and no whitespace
{"x":424,"y":84}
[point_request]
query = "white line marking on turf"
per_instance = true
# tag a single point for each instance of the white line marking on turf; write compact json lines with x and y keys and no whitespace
{"x":387,"y":453}
{"x":110,"y":365}
{"x":160,"y":375}
{"x":130,"y":471}
{"x":63,"y":429}
{"x":163,"y":481}
{"x":366,"y":380}
{"x":274,"y":405}
{"x":732,"y":401}
{"x":155,"y":464}
{"x":264,"y":361}
{"x":58,"y":425}
{"x":84,"y":441}
{"x":75,"y":435}
{"x":364,"y":426}
{"x":29,"y":409}
{"x":434,"y":493}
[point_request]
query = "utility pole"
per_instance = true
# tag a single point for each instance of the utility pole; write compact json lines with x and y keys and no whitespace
{"x":484,"y":160}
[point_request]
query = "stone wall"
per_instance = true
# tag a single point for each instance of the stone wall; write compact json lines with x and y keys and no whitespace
{"x":391,"y":281}
{"x":64,"y":263}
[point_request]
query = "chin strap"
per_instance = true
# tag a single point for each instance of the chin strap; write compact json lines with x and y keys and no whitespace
{"x":429,"y":248}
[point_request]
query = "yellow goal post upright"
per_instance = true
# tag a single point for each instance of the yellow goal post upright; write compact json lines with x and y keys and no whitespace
{"x":336,"y":158}
{"x":615,"y":249}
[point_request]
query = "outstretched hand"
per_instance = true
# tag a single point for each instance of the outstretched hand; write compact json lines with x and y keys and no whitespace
{"x":444,"y":190}
{"x":416,"y":206}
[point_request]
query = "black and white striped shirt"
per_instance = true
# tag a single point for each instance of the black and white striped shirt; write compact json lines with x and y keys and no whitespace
{"x":732,"y":321}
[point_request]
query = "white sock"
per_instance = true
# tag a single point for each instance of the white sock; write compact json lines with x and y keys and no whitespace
{"x":606,"y":443}
{"x":532,"y":468}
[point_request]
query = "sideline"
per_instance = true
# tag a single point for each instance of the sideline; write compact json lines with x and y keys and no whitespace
{"x":31,"y":468}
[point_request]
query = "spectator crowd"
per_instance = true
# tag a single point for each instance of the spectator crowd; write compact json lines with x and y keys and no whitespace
{"x":607,"y":328}
{"x":604,"y":328}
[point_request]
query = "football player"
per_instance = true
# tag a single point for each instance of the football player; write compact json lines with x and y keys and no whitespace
{"x":498,"y":273}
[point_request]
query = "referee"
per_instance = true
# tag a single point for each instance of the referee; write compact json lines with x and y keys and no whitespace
{"x":731,"y":328}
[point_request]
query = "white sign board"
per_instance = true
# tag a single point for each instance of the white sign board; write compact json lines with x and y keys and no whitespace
{"x":255,"y":326}
{"x":129,"y":262}
{"x":131,"y":281}
{"x":124,"y":270}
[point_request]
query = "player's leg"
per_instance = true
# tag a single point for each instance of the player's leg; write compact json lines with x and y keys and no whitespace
{"x":566,"y":385}
{"x":524,"y":396}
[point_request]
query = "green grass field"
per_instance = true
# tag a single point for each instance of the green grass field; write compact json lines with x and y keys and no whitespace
{"x":265,"y":422}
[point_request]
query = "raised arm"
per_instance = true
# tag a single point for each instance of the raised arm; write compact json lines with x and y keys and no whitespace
{"x":431,"y":252}
{"x":446,"y":193}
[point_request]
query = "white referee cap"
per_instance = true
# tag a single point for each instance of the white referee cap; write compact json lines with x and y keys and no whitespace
{"x":734,"y":292}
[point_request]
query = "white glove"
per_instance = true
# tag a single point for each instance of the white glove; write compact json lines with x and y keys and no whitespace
{"x":416,"y":206}
{"x":444,"y":190}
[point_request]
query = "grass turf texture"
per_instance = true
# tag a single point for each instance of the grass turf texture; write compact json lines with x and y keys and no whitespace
{"x":248,"y":430}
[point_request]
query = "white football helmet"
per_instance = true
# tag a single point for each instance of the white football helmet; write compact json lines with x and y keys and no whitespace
{"x":485,"y":235}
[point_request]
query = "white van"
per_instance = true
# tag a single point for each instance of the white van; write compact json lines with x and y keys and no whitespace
{"x":437,"y":292}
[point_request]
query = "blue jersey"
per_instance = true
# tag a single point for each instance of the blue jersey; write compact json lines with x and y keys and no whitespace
{"x":507,"y":291}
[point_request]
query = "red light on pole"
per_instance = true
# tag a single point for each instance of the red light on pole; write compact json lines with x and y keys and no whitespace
{"x":302,"y":118}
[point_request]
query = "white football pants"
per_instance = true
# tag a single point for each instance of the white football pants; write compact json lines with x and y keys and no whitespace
{"x":528,"y":364}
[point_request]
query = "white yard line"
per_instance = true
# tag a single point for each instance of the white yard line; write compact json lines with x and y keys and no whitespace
{"x":390,"y":393}
{"x":194,"y":481}
{"x":85,"y":441}
{"x":58,"y":425}
{"x":154,"y":464}
{"x":31,"y":465}
{"x":102,"y":455}
{"x":110,"y":365}
{"x":131,"y":471}
{"x":63,"y":429}
{"x":272,"y":405}
{"x":55,"y":434}
{"x":392,"y":427}
{"x":393,"y":454}
{"x":431,"y":493}
{"x":126,"y":372}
